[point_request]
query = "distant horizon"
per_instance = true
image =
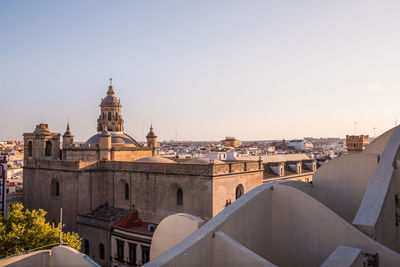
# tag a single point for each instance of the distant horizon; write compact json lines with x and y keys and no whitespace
{"x":259,"y":70}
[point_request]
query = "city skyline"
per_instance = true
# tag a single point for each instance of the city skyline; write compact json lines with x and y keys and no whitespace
{"x":202,"y":71}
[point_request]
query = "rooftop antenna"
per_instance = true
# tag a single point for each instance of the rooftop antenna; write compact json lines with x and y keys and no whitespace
{"x":374,"y":132}
{"x":355,"y":128}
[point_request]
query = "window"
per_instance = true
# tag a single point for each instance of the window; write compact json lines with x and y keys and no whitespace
{"x":116,"y":116}
{"x":86,"y":247}
{"x":179,"y":197}
{"x":132,"y":253}
{"x":145,"y":254}
{"x":55,"y":188}
{"x":120,"y":250}
{"x":30,"y":149}
{"x":101,"y":251}
{"x":109,"y":116}
{"x":239,"y":191}
{"x":104,"y":115}
{"x":48,"y":149}
{"x":126,"y":191}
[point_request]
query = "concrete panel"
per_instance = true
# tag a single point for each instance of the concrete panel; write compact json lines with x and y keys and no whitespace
{"x":228,"y":252}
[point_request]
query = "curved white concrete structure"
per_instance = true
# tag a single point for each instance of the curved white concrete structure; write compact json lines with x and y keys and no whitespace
{"x":334,"y":222}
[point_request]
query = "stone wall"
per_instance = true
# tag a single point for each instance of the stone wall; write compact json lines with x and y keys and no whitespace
{"x":81,"y":154}
{"x":152,"y":189}
{"x":224,"y":188}
{"x":96,"y":236}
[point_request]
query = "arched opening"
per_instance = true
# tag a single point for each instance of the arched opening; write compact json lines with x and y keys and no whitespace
{"x":55,"y":188}
{"x":101,"y":251}
{"x":239,"y":191}
{"x":126,"y":191}
{"x":48,"y":149}
{"x":109,"y":116}
{"x":116,"y":116}
{"x":86,"y":247}
{"x":104,"y":115}
{"x":30,"y":149}
{"x":179,"y":197}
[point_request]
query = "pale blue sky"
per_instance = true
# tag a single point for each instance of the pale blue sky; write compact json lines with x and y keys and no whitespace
{"x":250,"y":69}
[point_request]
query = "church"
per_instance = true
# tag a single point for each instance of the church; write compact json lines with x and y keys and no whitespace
{"x":114,"y":191}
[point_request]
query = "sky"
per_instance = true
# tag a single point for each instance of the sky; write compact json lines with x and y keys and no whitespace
{"x":201,"y":70}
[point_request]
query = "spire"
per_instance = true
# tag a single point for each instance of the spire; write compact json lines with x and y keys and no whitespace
{"x":110,"y":88}
{"x":68,"y":131}
{"x":151,"y":132}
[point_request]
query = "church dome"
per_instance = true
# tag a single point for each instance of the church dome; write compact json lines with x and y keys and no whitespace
{"x":116,"y":138}
{"x":155,"y":160}
{"x":203,"y":161}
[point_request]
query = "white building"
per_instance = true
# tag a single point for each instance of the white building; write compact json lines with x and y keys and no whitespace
{"x":300,"y":144}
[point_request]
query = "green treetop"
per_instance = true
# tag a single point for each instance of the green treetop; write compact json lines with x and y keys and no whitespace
{"x":21,"y":231}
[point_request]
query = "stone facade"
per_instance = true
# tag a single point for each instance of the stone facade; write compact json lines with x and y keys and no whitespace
{"x":151,"y":187}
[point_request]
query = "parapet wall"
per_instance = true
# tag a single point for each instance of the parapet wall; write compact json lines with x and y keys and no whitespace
{"x":170,"y":168}
{"x":60,"y":164}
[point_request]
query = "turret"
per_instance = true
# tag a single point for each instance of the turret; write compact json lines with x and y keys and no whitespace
{"x":152,"y":141}
{"x":68,"y":138}
{"x":105,"y":145}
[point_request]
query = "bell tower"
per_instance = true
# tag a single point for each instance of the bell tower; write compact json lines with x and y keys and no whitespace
{"x":42,"y":144}
{"x":110,"y":118}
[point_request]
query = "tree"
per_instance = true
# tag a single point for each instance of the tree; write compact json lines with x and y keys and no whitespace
{"x":21,"y":231}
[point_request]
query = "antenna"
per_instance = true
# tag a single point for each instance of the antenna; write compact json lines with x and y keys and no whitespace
{"x":374,"y":132}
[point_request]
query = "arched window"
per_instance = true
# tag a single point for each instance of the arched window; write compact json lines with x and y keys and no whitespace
{"x":239,"y":191}
{"x":55,"y":188}
{"x":116,"y":116}
{"x":48,"y":149}
{"x":109,"y":116}
{"x":30,"y":149}
{"x":179,"y":197}
{"x":104,"y":115}
{"x":101,"y":251}
{"x":86,"y":247}
{"x":126,"y":191}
